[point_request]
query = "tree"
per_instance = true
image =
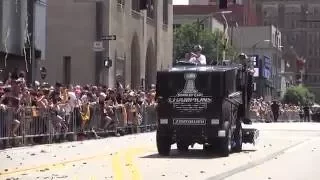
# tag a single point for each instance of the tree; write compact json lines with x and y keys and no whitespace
{"x":189,"y":35}
{"x":298,"y":95}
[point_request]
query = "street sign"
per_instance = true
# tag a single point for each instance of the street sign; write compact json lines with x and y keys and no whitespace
{"x":109,"y":38}
{"x":98,"y":46}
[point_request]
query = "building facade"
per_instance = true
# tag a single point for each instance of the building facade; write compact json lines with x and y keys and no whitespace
{"x":263,"y":43}
{"x":202,"y":2}
{"x":214,"y":2}
{"x":206,"y":21}
{"x":242,"y":14}
{"x":301,"y":38}
{"x":19,"y":32}
{"x":142,"y":46}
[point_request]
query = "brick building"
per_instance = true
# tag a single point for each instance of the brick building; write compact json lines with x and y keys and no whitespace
{"x":300,"y":39}
{"x":243,"y":14}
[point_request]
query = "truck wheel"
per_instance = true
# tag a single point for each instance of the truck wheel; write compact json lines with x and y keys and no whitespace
{"x":163,"y":145}
{"x":182,"y":147}
{"x":226,"y":142}
{"x":238,"y":139}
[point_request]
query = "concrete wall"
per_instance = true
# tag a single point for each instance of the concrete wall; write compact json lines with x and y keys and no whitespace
{"x":11,"y":26}
{"x":41,"y":27}
{"x":139,"y":39}
{"x":71,"y":32}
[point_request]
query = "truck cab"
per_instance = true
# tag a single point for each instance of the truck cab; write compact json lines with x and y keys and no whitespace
{"x":199,"y":104}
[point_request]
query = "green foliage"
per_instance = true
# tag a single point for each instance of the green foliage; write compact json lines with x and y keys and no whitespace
{"x":186,"y":37}
{"x":298,"y":95}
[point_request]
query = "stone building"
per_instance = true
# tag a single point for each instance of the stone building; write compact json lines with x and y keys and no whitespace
{"x":143,"y":43}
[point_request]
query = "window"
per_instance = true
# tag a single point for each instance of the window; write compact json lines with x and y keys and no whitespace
{"x":66,"y":70}
{"x":121,"y":2}
{"x":150,"y":8}
{"x":135,"y":5}
{"x":165,"y":12}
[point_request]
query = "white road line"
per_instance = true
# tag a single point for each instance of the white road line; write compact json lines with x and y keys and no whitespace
{"x":302,"y":145}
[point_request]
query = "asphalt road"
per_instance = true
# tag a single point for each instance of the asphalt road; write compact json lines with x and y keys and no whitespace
{"x":286,"y":151}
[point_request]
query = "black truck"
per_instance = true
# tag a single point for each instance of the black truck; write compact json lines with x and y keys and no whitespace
{"x":205,"y":105}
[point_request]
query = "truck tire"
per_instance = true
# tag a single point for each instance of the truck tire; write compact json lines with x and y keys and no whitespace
{"x":163,"y":145}
{"x":238,"y":138}
{"x":182,"y":146}
{"x":226,"y":142}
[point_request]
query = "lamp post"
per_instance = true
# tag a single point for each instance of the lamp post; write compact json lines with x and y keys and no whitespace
{"x":225,"y":30}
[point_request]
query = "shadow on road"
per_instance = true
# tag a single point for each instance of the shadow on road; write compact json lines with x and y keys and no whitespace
{"x":192,"y":154}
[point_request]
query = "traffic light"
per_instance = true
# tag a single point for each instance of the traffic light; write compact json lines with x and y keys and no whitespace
{"x":223,"y":4}
{"x":108,"y":63}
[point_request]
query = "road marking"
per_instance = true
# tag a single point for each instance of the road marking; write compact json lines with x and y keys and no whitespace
{"x":134,"y":169}
{"x":116,"y":166}
{"x":120,"y":169}
{"x":252,"y":164}
{"x":55,"y":165}
{"x":296,"y":148}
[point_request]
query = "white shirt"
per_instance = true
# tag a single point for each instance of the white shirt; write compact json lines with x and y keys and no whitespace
{"x":199,"y":60}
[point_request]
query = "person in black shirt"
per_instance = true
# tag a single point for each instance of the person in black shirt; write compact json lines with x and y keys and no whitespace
{"x":55,"y":94}
{"x":275,"y":110}
{"x":306,"y":111}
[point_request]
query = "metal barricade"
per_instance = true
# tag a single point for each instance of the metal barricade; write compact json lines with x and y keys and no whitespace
{"x":34,"y":125}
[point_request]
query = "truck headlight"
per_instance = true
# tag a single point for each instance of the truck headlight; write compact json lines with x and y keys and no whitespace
{"x":163,"y":121}
{"x":215,"y":121}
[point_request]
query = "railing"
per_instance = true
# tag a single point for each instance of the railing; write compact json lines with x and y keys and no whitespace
{"x":28,"y":125}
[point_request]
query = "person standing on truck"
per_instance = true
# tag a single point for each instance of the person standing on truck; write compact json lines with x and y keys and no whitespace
{"x":249,"y":70}
{"x":197,"y":57}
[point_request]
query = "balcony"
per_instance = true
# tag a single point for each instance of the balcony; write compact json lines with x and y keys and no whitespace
{"x":136,"y":14}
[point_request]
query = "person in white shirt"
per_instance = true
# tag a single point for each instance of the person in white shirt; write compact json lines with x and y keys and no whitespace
{"x":197,"y":57}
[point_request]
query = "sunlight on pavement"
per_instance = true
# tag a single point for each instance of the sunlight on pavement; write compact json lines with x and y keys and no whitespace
{"x":123,"y":166}
{"x":129,"y":167}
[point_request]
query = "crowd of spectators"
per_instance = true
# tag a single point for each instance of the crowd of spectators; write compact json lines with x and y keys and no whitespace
{"x":274,"y":111}
{"x":61,"y":109}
